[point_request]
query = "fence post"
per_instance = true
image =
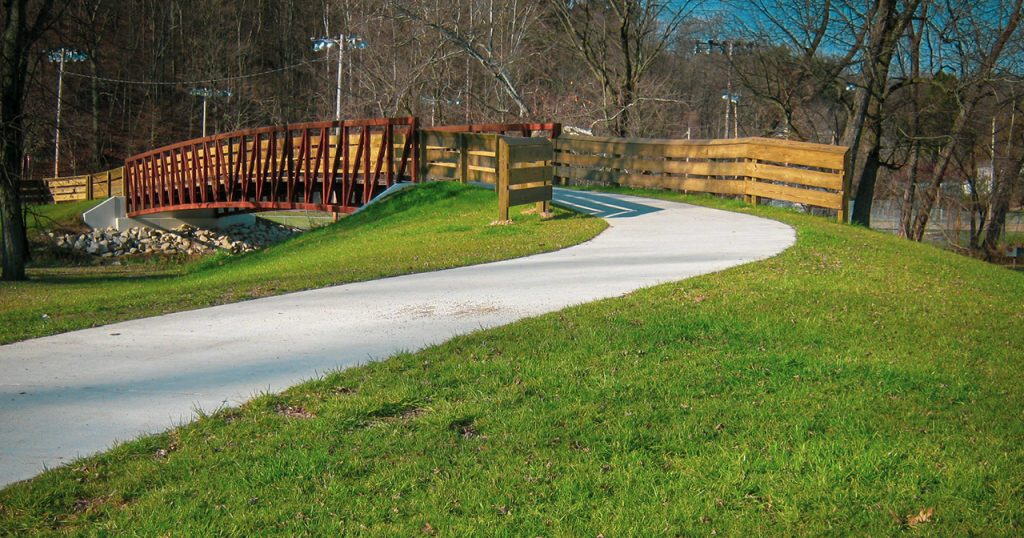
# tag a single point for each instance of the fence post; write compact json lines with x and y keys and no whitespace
{"x":110,"y":184}
{"x":501,"y":184}
{"x":844,"y":204}
{"x":463,"y":157}
{"x":421,"y":156}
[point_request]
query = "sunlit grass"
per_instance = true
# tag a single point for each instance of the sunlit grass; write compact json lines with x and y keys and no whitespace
{"x":836,"y":389}
{"x":432,"y":227}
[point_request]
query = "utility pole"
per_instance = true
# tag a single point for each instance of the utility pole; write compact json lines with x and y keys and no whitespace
{"x":206,"y":93}
{"x":728,"y":89}
{"x":61,"y":56}
{"x":342,"y":41}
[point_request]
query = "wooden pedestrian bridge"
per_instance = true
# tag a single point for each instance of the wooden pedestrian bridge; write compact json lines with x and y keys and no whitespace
{"x":339,"y":166}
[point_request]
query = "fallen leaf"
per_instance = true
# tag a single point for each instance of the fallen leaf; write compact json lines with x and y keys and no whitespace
{"x":294,"y":412}
{"x":924,"y":516}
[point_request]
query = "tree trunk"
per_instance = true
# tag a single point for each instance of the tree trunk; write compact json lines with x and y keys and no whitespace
{"x":961,"y":123}
{"x":866,"y":191}
{"x":19,"y":33}
{"x":907,"y":208}
{"x":1000,"y":206}
{"x":931,"y":194}
{"x":12,"y":239}
{"x":888,"y":24}
{"x":866,"y":158}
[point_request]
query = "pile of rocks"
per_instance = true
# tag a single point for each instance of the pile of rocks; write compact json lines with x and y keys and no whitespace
{"x":185,"y":239}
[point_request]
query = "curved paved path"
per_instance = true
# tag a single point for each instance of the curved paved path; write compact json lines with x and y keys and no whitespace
{"x":77,"y":393}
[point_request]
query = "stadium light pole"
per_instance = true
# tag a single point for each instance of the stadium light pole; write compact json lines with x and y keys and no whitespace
{"x":342,"y":41}
{"x":206,"y":93}
{"x":61,"y":56}
{"x":727,"y":47}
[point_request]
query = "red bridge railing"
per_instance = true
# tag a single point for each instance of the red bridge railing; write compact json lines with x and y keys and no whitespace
{"x":334,"y":166}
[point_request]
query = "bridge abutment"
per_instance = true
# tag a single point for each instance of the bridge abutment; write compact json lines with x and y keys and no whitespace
{"x":112,"y":213}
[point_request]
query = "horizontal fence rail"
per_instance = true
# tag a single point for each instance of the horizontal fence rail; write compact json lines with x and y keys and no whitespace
{"x":334,"y":166}
{"x":86,"y":186}
{"x":798,"y":172}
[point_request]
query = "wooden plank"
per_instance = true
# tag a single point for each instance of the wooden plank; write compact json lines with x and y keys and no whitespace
{"x":603,"y":161}
{"x":529,"y":195}
{"x":439,"y":138}
{"x":491,"y":154}
{"x":712,"y":186}
{"x":708,"y":168}
{"x":485,"y":175}
{"x":518,"y":176}
{"x":442,"y":170}
{"x":587,"y":174}
{"x":830,"y":200}
{"x":482,"y":160}
{"x":436,"y":154}
{"x":538,"y":150}
{"x":796,"y":155}
{"x":639,"y":148}
{"x":481,"y":142}
{"x":69,"y":189}
{"x":641,"y":165}
{"x":779,"y":151}
{"x":810,"y":178}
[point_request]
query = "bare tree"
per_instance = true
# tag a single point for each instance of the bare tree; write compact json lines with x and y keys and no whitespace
{"x":22,"y":27}
{"x":619,"y":40}
{"x":805,"y":48}
{"x":981,"y":39}
{"x":513,"y":19}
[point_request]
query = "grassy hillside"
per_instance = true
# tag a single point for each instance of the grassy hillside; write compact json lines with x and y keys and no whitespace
{"x":55,"y":217}
{"x":855,"y":384}
{"x":432,"y":227}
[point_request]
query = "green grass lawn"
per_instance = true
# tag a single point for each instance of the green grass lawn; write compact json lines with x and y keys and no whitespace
{"x":840,"y":388}
{"x":432,"y":227}
{"x":299,"y":219}
{"x":57,"y":217}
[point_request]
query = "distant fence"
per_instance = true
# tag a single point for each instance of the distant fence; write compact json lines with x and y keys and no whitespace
{"x":86,"y":187}
{"x":519,"y":167}
{"x":34,"y":191}
{"x":755,"y":168}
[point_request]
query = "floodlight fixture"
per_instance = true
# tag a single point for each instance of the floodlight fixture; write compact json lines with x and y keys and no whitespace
{"x":343,"y":41}
{"x":61,"y":56}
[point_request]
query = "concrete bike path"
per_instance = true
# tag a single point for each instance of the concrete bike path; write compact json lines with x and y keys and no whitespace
{"x":78,"y":393}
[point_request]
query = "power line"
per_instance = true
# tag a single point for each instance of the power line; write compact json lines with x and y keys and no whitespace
{"x":194,"y":82}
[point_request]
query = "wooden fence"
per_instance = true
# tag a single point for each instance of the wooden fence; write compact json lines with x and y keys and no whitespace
{"x":87,"y":187}
{"x":34,"y":191}
{"x":755,"y":168}
{"x":519,"y":167}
